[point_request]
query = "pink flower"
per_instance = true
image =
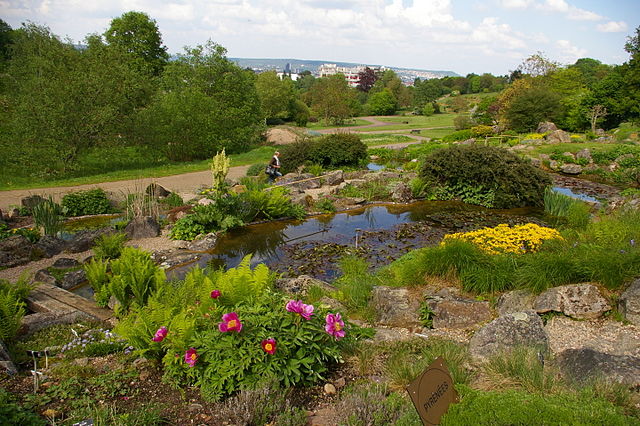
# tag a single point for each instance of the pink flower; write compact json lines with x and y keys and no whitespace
{"x":230,"y":322}
{"x":269,"y":346}
{"x":215,"y":294}
{"x":296,"y":306}
{"x":160,"y":334}
{"x":334,"y":326}
{"x":191,"y":357}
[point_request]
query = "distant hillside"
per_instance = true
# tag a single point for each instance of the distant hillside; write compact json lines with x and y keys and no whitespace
{"x":299,"y":65}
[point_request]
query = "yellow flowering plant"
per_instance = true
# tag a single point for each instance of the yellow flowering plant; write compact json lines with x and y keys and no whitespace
{"x":505,"y":239}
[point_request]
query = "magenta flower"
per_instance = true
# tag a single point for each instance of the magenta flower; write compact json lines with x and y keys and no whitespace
{"x":230,"y":322}
{"x":334,"y":326}
{"x":269,"y":346}
{"x":160,"y":334}
{"x":296,"y":306}
{"x":215,"y":294}
{"x":191,"y":357}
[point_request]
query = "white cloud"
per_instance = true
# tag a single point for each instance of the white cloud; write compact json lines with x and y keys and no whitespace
{"x":516,"y":4}
{"x":555,"y":6}
{"x":576,"y":14}
{"x":612,"y":27}
{"x":568,"y":52}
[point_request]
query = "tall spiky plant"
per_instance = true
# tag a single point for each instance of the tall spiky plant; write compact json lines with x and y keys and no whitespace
{"x":219,"y":169}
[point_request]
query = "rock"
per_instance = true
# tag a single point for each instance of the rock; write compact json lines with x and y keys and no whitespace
{"x":142,"y":227}
{"x":546,"y":126}
{"x":584,"y":154}
{"x":558,"y":136}
{"x":381,"y":176}
{"x":13,"y":214}
{"x":629,"y":303}
{"x":506,"y":332}
{"x":84,"y":240}
{"x":6,"y":364}
{"x":195,"y":407}
{"x":16,"y":250}
{"x":554,"y":165}
{"x":515,"y":301}
{"x":82,"y":362}
{"x":340,"y":383}
{"x":470,"y":141}
{"x":536,"y":162}
{"x":205,"y":202}
{"x":50,"y":245}
{"x":395,"y":306}
{"x":401,"y":193}
{"x":239,"y":189}
{"x":140,"y":363}
{"x":624,"y":157}
{"x":332,"y":304}
{"x":31,"y":201}
{"x":40,"y":320}
{"x":144,"y":375}
{"x":600,"y":132}
{"x":581,"y":301}
{"x":44,"y":276}
{"x":73,"y":279}
{"x":300,"y":182}
{"x":65,"y":263}
{"x":329,"y":389}
{"x":178,"y":213}
{"x":157,"y":191}
{"x":569,"y":155}
{"x":357,"y":174}
{"x":333,"y":178}
{"x":392,"y":334}
{"x":586,"y":364}
{"x":301,"y":198}
{"x":205,"y":243}
{"x":301,"y":285}
{"x":460,"y":314}
{"x":571,"y":169}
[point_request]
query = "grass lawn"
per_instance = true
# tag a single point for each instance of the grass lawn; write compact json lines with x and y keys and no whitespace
{"x":137,"y":168}
{"x":383,"y":139}
{"x":436,"y":133}
{"x":436,"y":120}
{"x":321,"y":125}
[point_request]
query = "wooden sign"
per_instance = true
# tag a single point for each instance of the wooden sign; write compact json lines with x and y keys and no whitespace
{"x":432,"y":392}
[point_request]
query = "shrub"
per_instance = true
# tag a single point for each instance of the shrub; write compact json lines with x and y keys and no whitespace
{"x":31,"y":234}
{"x":338,"y":149}
{"x":82,"y":203}
{"x":462,"y":122}
{"x":375,"y":405}
{"x":48,"y":215}
{"x":109,"y":246}
{"x":469,"y":194}
{"x":515,"y":182}
{"x":12,"y":306}
{"x":256,"y":169}
{"x":173,"y":200}
{"x":482,"y":131}
{"x":460,"y":135}
{"x":325,"y":205}
{"x":293,"y":156}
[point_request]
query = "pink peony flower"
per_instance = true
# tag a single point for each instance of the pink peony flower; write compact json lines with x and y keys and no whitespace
{"x":269,"y":346}
{"x":334,"y":326}
{"x":296,"y":306}
{"x":215,"y":294}
{"x":160,"y":334}
{"x":191,"y":357}
{"x":230,"y":322}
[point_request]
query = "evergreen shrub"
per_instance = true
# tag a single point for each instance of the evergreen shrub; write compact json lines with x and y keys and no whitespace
{"x":82,"y":203}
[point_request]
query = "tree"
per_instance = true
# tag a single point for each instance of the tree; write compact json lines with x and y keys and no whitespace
{"x":277,"y":96}
{"x":531,"y":107}
{"x":595,"y":113}
{"x":138,"y":34}
{"x":332,"y":98}
{"x":367,"y":78}
{"x":5,"y":42}
{"x":538,"y":65}
{"x":382,"y":103}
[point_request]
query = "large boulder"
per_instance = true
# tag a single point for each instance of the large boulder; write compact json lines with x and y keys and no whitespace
{"x":581,"y":301}
{"x":461,"y":314}
{"x":16,"y":250}
{"x":629,"y":303}
{"x":333,"y":178}
{"x":401,"y":193}
{"x":46,"y":277}
{"x":545,"y":127}
{"x":157,"y":191}
{"x":205,"y":243}
{"x":584,"y":154}
{"x":50,"y":245}
{"x":558,"y":136}
{"x":65,"y":263}
{"x":571,"y":169}
{"x":31,"y":201}
{"x":300,"y":182}
{"x":143,"y":227}
{"x":396,"y":307}
{"x":301,"y":285}
{"x":515,"y":301}
{"x":507,"y":332}
{"x":73,"y":279}
{"x":586,"y":364}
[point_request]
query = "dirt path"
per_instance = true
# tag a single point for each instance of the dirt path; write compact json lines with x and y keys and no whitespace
{"x":186,"y":185}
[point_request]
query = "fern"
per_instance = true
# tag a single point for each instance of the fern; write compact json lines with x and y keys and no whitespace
{"x":12,"y":306}
{"x":98,"y":278}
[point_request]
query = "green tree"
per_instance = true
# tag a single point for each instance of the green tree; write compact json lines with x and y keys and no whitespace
{"x":532,"y":106}
{"x":6,"y":35}
{"x":206,"y":104}
{"x":277,"y":97}
{"x":138,"y":34}
{"x":382,"y":103}
{"x":333,"y":99}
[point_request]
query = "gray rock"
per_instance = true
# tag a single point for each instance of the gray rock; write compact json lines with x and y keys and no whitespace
{"x":515,"y":301}
{"x":141,"y":363}
{"x":301,"y":285}
{"x":581,"y":301}
{"x":554,"y":165}
{"x":584,"y":154}
{"x":329,"y":389}
{"x":470,"y":141}
{"x":332,"y":304}
{"x":558,"y":136}
{"x":31,"y":201}
{"x":157,"y":191}
{"x":401,"y":193}
{"x":461,"y":314}
{"x":13,"y":213}
{"x":536,"y":162}
{"x":6,"y":363}
{"x":207,"y":242}
{"x":629,"y":303}
{"x":571,"y":169}
{"x":40,"y":320}
{"x":585,"y":364}
{"x":50,"y":245}
{"x":84,"y":240}
{"x":546,"y":126}
{"x":65,"y":262}
{"x":142,"y":227}
{"x":44,"y":276}
{"x":505,"y":332}
{"x":302,"y":199}
{"x":333,"y":178}
{"x":16,"y":250}
{"x":396,"y":307}
{"x":382,"y":175}
{"x":73,"y":279}
{"x":205,"y":202}
{"x":392,"y":334}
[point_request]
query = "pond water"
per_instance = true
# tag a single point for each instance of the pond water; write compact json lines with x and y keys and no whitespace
{"x":383,"y":233}
{"x":577,"y":195}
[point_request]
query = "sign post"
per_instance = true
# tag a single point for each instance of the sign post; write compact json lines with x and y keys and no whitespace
{"x":432,"y":392}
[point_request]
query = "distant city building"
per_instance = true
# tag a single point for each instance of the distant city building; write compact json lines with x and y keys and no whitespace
{"x":292,"y":75}
{"x":351,"y":74}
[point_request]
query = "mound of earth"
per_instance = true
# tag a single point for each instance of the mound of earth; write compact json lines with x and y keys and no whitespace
{"x":281,"y":136}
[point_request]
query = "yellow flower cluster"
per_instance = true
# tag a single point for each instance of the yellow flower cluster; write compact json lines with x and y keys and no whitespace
{"x":534,"y":136}
{"x":505,"y":239}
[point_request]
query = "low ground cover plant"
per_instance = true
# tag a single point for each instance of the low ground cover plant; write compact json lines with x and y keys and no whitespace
{"x":81,"y":203}
{"x":30,"y":233}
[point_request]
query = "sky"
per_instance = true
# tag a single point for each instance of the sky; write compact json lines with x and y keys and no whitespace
{"x":463,"y":36}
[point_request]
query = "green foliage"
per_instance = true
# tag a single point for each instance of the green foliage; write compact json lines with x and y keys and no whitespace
{"x":532,"y":106}
{"x":522,"y":367}
{"x":517,"y":407}
{"x":514,"y":182}
{"x":219,"y":169}
{"x":463,"y":122}
{"x":576,"y":213}
{"x":31,"y":234}
{"x":459,"y":135}
{"x":12,"y":306}
{"x":202,"y":220}
{"x":382,"y":103}
{"x":325,"y":205}
{"x":277,"y":96}
{"x":89,"y":202}
{"x":477,"y":195}
{"x":14,"y":414}
{"x":333,"y":99}
{"x":355,"y":284}
{"x":48,"y":215}
{"x":374,"y":405}
{"x":256,"y":169}
{"x":98,"y":278}
{"x":336,"y":150}
{"x":109,"y":246}
{"x":173,"y":200}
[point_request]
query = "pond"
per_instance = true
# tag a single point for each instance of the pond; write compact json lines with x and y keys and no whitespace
{"x":379,"y":233}
{"x":577,"y":195}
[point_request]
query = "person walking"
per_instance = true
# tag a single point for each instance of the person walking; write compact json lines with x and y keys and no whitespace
{"x":273,"y":169}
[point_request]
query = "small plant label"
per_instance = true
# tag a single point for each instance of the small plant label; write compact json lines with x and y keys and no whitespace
{"x":432,"y":392}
